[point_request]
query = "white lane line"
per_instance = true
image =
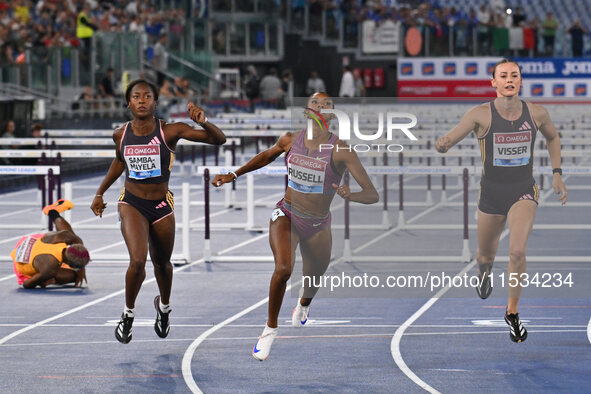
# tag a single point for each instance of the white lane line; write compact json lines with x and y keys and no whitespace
{"x":7,"y":277}
{"x":318,"y":325}
{"x":84,"y":306}
{"x":113,"y":245}
{"x":483,"y":332}
{"x":17,"y":212}
{"x":485,"y":318}
{"x":42,"y":230}
{"x":109,"y":246}
{"x":188,"y":356}
{"x":395,"y":343}
{"x":74,"y":224}
{"x":304,"y":337}
{"x":26,"y":191}
{"x":233,"y":209}
{"x":90,"y":252}
{"x":66,"y":313}
{"x":410,"y":221}
{"x":241,"y":244}
{"x":43,"y":322}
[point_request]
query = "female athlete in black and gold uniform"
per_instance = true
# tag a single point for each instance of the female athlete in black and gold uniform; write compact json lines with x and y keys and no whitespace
{"x":506,"y":129}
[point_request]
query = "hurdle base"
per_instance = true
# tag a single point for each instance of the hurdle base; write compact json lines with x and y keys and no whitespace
{"x":207,"y":251}
{"x":347,"y":251}
{"x":429,"y":200}
{"x":386,"y":224}
{"x":466,"y":255}
{"x":401,"y":220}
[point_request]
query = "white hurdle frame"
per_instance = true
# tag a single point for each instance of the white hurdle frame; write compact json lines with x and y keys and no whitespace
{"x":45,"y":170}
{"x":249,"y":224}
{"x":465,"y":255}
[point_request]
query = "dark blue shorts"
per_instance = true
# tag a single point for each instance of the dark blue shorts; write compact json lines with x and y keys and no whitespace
{"x":498,"y":198}
{"x":152,"y":210}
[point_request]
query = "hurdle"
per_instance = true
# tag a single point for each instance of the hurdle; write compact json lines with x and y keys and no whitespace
{"x":464,"y":256}
{"x":281,"y":171}
{"x":184,"y":257}
{"x":46,"y":182}
{"x":403,"y":225}
{"x":465,"y":226}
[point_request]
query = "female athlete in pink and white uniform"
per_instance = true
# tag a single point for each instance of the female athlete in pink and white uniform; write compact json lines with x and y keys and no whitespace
{"x":315,"y":168}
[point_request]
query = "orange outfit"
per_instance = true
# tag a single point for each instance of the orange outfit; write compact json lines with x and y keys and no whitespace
{"x":29,"y":247}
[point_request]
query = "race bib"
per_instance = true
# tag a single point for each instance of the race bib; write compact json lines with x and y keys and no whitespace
{"x":143,"y":161}
{"x":276,"y":214}
{"x":23,"y":252}
{"x":306,"y":174}
{"x":512,"y":149}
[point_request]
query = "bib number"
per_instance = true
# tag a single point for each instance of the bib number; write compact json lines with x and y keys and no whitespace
{"x":512,"y":149}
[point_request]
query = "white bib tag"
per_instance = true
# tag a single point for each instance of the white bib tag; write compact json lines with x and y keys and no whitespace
{"x":512,"y":149}
{"x":276,"y":214}
{"x":306,"y":174}
{"x":143,"y":161}
{"x":23,"y":252}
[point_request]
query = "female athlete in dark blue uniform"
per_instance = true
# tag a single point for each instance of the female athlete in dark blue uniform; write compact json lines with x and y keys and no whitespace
{"x":506,"y":130}
{"x":145,"y":151}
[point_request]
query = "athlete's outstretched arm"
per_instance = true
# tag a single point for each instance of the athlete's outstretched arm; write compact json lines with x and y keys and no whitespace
{"x":210,"y":134}
{"x":368,"y":193}
{"x":115,"y":170}
{"x":458,"y":133}
{"x":553,"y":142}
{"x":262,"y":159}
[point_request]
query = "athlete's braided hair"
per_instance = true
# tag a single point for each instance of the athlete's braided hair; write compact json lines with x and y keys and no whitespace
{"x":77,"y":256}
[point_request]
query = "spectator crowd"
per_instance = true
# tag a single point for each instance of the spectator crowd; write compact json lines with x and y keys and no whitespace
{"x":45,"y":24}
{"x":491,"y":23}
{"x":488,"y":29}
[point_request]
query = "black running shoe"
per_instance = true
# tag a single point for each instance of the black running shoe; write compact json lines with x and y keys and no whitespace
{"x":484,"y":287}
{"x":162,"y":325}
{"x":518,"y":332}
{"x":123,"y":329}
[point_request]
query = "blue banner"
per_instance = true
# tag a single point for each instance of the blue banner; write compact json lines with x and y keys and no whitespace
{"x":555,"y":68}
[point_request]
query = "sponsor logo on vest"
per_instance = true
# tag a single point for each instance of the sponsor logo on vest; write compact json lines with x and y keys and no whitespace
{"x":307,"y":162}
{"x":135,"y":150}
{"x":143,"y":161}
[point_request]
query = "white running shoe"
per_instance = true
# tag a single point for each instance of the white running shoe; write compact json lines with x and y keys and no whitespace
{"x":261,"y":350}
{"x":299,"y":316}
